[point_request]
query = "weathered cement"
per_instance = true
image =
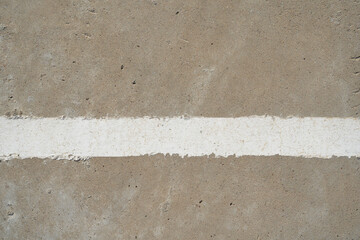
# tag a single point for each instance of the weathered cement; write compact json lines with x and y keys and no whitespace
{"x":180,"y":198}
{"x":171,"y":58}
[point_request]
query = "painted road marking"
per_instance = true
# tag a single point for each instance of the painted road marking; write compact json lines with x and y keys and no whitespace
{"x":255,"y":135}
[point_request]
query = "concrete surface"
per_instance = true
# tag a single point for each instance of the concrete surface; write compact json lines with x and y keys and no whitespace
{"x":170,"y":58}
{"x":181,"y":198}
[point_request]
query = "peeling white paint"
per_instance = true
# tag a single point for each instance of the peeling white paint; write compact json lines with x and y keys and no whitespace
{"x":256,"y":135}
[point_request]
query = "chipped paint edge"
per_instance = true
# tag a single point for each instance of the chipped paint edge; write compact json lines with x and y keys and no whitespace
{"x":82,"y":138}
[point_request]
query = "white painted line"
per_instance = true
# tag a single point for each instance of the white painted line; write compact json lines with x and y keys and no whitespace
{"x":256,"y":135}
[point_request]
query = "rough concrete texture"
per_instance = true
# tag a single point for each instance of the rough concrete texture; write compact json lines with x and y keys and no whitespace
{"x":158,"y":58}
{"x":181,"y":198}
{"x":164,"y":58}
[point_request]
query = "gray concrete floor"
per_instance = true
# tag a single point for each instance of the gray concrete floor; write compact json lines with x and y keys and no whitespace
{"x":161,"y":197}
{"x":171,"y":58}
